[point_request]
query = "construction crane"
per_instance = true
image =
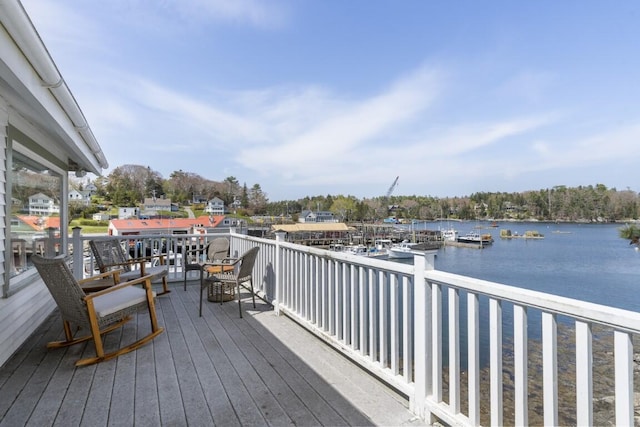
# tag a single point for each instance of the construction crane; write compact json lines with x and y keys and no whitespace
{"x":385,"y":201}
{"x":393,"y":186}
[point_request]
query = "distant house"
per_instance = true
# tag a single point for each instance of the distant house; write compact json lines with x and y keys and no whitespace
{"x":80,"y":197}
{"x":198,"y":198}
{"x":215,"y":206}
{"x":101,"y":216}
{"x":42,"y":205}
{"x":128,"y":212}
{"x":319,"y":216}
{"x":155,"y":204}
{"x":236,"y":204}
{"x":90,"y":188}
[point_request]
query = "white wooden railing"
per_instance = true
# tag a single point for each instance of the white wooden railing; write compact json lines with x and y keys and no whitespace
{"x":405,"y":325}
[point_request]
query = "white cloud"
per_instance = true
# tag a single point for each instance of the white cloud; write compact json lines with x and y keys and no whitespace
{"x":346,"y":129}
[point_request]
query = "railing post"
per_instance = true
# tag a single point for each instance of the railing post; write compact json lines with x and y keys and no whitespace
{"x":78,"y":252}
{"x":280,"y":237}
{"x":422,"y":335}
{"x":50,"y":243}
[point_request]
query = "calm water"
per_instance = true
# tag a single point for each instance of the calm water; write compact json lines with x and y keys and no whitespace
{"x":589,"y":262}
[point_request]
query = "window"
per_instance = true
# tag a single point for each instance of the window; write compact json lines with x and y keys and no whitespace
{"x":36,"y":196}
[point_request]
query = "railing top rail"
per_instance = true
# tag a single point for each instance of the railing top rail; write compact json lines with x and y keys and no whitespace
{"x":614,"y":317}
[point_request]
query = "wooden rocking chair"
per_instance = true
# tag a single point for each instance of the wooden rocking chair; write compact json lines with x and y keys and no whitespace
{"x":99,"y":312}
{"x":109,"y":255}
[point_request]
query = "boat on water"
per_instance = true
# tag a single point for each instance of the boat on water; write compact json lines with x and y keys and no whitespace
{"x":403,"y":249}
{"x":336,"y":247}
{"x":476,"y":238}
{"x":380,"y":249}
{"x":360,"y":250}
{"x":449,"y":235}
{"x":381,"y":245}
{"x":530,"y":234}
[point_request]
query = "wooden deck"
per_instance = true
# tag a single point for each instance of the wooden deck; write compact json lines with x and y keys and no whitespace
{"x":218,"y":369}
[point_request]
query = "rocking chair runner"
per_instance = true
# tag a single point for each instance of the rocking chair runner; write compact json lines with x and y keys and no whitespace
{"x":109,"y":255}
{"x":99,"y":312}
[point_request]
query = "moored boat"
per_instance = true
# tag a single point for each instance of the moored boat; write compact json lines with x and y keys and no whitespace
{"x":360,"y":250}
{"x":530,"y":234}
{"x":476,"y":238}
{"x":403,"y":249}
{"x":449,"y":235}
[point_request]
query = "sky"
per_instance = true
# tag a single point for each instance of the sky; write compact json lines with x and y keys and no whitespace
{"x":318,"y":97}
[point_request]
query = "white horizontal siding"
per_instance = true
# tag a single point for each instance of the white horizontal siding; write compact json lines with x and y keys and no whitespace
{"x":20,"y":315}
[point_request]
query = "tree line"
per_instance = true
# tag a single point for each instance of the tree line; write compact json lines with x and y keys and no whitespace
{"x":130,"y":184}
{"x":576,"y":204}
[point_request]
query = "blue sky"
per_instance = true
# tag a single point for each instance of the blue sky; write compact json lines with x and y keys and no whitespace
{"x":316,"y":97}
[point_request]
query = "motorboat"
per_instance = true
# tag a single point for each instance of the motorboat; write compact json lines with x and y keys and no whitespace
{"x":449,"y":235}
{"x":476,"y":238}
{"x":360,"y":250}
{"x":403,"y":249}
{"x":336,"y":247}
{"x":381,"y":245}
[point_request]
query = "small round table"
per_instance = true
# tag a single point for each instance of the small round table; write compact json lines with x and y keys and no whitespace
{"x":215,"y":292}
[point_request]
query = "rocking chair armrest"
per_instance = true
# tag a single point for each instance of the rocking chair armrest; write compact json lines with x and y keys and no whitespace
{"x":144,"y":279}
{"x":161,"y":258}
{"x":114,"y":273}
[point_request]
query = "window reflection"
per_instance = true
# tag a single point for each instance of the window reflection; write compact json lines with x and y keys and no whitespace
{"x":35,"y":209}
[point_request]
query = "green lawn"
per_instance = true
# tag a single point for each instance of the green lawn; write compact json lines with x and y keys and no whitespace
{"x":90,"y":229}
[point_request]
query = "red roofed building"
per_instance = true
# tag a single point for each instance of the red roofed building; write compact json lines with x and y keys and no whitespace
{"x":203,"y":225}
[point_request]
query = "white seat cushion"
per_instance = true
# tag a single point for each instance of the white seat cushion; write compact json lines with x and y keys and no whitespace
{"x":118,"y":300}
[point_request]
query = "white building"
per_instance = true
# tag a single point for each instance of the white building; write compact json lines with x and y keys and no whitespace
{"x":43,"y":136}
{"x":80,"y":197}
{"x":319,"y":216}
{"x":128,"y":212}
{"x":215,"y":206}
{"x":157,"y":204}
{"x":42,"y":205}
{"x":100,"y":216}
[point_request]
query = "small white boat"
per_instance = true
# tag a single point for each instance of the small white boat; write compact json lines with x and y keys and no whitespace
{"x":449,"y":235}
{"x":401,"y":250}
{"x":360,"y":250}
{"x":381,"y":245}
{"x":336,"y":247}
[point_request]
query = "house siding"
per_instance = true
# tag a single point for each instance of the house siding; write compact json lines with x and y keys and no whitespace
{"x":37,"y":111}
{"x":34,"y":299}
{"x":4,"y":122}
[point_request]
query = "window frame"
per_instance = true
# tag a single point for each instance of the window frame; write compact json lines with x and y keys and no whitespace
{"x":20,"y":143}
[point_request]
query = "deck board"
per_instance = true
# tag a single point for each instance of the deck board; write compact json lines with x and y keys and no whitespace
{"x":216,"y":369}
